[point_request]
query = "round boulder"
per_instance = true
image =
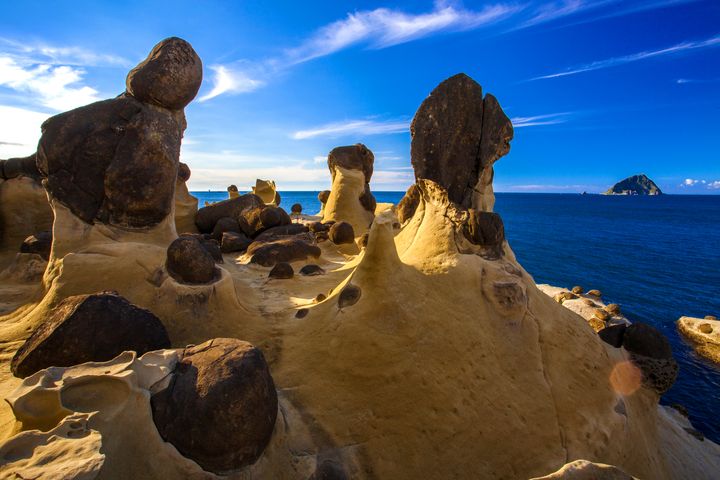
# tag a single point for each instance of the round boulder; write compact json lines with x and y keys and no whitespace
{"x":188,"y":261}
{"x":650,"y":351}
{"x":312,"y":270}
{"x":349,"y":295}
{"x":342,"y":232}
{"x":169,"y":77}
{"x":225,"y":224}
{"x":234,"y":242}
{"x":296,"y":209}
{"x":323,"y":196}
{"x":85,"y":328}
{"x":220,"y":406}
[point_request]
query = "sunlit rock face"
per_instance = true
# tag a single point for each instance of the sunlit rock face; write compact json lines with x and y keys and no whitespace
{"x":350,"y":199}
{"x":427,"y":353}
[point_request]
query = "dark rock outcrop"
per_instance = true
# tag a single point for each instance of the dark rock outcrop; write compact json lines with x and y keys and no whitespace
{"x":225,"y":224}
{"x":207,"y":217}
{"x":288,"y":249}
{"x":342,"y":232}
{"x":484,"y":228}
{"x":355,"y":157}
{"x":635,"y":185}
{"x":267,"y":216}
{"x":188,"y":261}
{"x":39,"y":243}
{"x":86,"y":328}
{"x":651,"y":352}
{"x":220,"y":406}
{"x":281,"y":270}
{"x":456,"y":137}
{"x":234,"y":242}
{"x":613,"y":335}
{"x":282,"y":231}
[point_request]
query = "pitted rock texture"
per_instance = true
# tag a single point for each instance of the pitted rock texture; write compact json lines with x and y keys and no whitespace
{"x":86,"y":328}
{"x":456,"y":137}
{"x":220,"y":406}
{"x":352,"y":157}
{"x":169,"y":77}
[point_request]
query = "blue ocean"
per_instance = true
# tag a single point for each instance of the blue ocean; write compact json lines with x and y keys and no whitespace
{"x":658,"y":257}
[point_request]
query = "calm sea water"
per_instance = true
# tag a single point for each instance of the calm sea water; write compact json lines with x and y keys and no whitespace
{"x":658,"y":257}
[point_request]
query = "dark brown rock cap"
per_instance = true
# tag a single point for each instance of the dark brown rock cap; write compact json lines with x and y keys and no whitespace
{"x":85,"y":328}
{"x":456,"y":135}
{"x":352,"y":157}
{"x":169,"y":77}
{"x":220,"y":406}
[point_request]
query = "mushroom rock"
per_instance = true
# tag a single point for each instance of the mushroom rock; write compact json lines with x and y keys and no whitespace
{"x":207,"y":217}
{"x":267,"y":191}
{"x":186,"y":205}
{"x":86,"y":328}
{"x":350,"y":199}
{"x":456,"y":138}
{"x":220,"y":406}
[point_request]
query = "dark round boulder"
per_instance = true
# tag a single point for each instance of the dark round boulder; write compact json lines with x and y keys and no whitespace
{"x":323,"y":196}
{"x":349,"y":295}
{"x":650,"y":351}
{"x":282,"y":231}
{"x":484,"y":228}
{"x":220,"y":406}
{"x":342,"y":232}
{"x":39,"y":243}
{"x":188,"y":261}
{"x":265,"y":217}
{"x":281,"y":270}
{"x":225,"y":224}
{"x":312,"y":270}
{"x":234,"y":242}
{"x":183,"y":172}
{"x":318,"y":227}
{"x":169,"y":77}
{"x":289,"y":249}
{"x":613,"y":335}
{"x":302,"y":313}
{"x":352,"y":157}
{"x":296,"y":209}
{"x":320,"y":297}
{"x":86,"y":328}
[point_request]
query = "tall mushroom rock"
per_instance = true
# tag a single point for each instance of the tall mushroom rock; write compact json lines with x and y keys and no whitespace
{"x":350,"y":199}
{"x":457,"y":136}
{"x":116,"y":161}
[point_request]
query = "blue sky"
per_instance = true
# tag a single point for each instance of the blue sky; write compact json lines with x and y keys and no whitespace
{"x":598,"y":90}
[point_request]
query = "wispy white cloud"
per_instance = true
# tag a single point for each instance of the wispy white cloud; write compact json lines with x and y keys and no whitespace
{"x":538,"y":120}
{"x":714,"y":185}
{"x":615,"y":61}
{"x":554,"y":10}
{"x":41,"y":53}
{"x":354,"y":127}
{"x":682,"y":81}
{"x":56,"y":87}
{"x":19,"y":131}
{"x":231,"y":79}
{"x":374,"y":29}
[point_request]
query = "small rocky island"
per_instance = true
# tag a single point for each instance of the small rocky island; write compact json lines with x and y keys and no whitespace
{"x":635,"y":185}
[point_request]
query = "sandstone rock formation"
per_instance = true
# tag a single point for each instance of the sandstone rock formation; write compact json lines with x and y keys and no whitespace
{"x":87,"y":328}
{"x":704,"y":334}
{"x":430,"y":353}
{"x":186,"y":206}
{"x":267,"y":191}
{"x":350,"y":199}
